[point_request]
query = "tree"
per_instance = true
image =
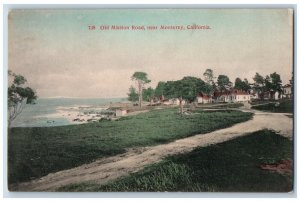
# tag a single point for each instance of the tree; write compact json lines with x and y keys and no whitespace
{"x":207,"y":89}
{"x":191,"y":86}
{"x":18,"y":96}
{"x":268,"y":85}
{"x":242,"y":85}
{"x":238,"y":84}
{"x":224,"y":83}
{"x":246,"y":85}
{"x":292,"y":84}
{"x":160,"y":89}
{"x":276,"y":83}
{"x":132,"y":95}
{"x":210,"y":85}
{"x":209,"y":76}
{"x":259,"y":85}
{"x":186,"y":88}
{"x":141,"y":78}
{"x":148,"y":94}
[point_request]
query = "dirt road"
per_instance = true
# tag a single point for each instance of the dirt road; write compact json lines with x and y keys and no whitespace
{"x":104,"y":170}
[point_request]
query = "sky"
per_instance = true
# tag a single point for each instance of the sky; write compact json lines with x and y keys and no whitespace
{"x":61,"y":57}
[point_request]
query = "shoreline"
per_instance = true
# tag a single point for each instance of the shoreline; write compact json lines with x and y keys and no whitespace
{"x":61,"y":112}
{"x":79,"y":114}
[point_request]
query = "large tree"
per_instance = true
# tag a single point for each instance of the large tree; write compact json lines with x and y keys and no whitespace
{"x":160,"y":89}
{"x":246,"y":85}
{"x":224,"y":83}
{"x":18,"y":95}
{"x":238,"y":84}
{"x":242,"y":85}
{"x":184,"y":89}
{"x":148,"y":94}
{"x":259,"y":85}
{"x":210,"y":85}
{"x":141,"y":78}
{"x":132,"y":95}
{"x":276,"y":83}
{"x":209,"y":76}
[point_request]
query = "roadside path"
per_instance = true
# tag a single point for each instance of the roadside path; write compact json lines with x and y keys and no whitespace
{"x":107,"y":169}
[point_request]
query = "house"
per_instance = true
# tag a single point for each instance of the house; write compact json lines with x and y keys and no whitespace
{"x":287,"y":91}
{"x":254,"y":95}
{"x":121,"y":112}
{"x":174,"y":101}
{"x":271,"y":95}
{"x":233,"y":95}
{"x":222,"y":96}
{"x":203,"y":99}
{"x":241,"y":96}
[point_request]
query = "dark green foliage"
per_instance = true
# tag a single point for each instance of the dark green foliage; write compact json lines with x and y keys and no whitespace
{"x":148,"y":94}
{"x":285,"y":106}
{"x":224,"y":83}
{"x":17,"y":92}
{"x":132,"y":95}
{"x":221,"y":106}
{"x":232,"y":166}
{"x":34,"y":152}
{"x":186,"y":88}
{"x":259,"y":84}
{"x":160,"y":89}
{"x":271,"y":83}
{"x":242,"y":85}
{"x":18,"y":95}
{"x":276,"y":83}
{"x":18,"y":79}
{"x":141,"y":78}
{"x":209,"y":76}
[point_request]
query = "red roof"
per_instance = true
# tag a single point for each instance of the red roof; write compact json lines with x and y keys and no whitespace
{"x":206,"y":97}
{"x":242,"y":93}
{"x":233,"y":91}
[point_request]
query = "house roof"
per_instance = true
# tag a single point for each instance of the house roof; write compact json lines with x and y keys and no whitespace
{"x":204,"y":96}
{"x":242,"y":93}
{"x":231,"y":92}
{"x":287,"y":86}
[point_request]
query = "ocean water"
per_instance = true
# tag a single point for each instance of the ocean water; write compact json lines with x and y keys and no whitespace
{"x":47,"y":112}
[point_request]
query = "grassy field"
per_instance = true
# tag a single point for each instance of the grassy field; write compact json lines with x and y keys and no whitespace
{"x":35,"y":152}
{"x":220,"y":106}
{"x":285,"y":106}
{"x":232,"y":166}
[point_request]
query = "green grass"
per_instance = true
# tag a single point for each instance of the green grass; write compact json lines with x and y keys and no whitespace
{"x":220,"y":106}
{"x":232,"y":166}
{"x":35,"y":152}
{"x":286,"y":106}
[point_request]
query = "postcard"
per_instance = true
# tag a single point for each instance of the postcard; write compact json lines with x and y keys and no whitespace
{"x":150,"y":100}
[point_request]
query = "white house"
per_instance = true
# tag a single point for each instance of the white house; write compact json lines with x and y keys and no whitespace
{"x":173,"y":101}
{"x":287,"y":91}
{"x":241,"y":97}
{"x":121,"y":112}
{"x":203,"y":99}
{"x":232,"y":96}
